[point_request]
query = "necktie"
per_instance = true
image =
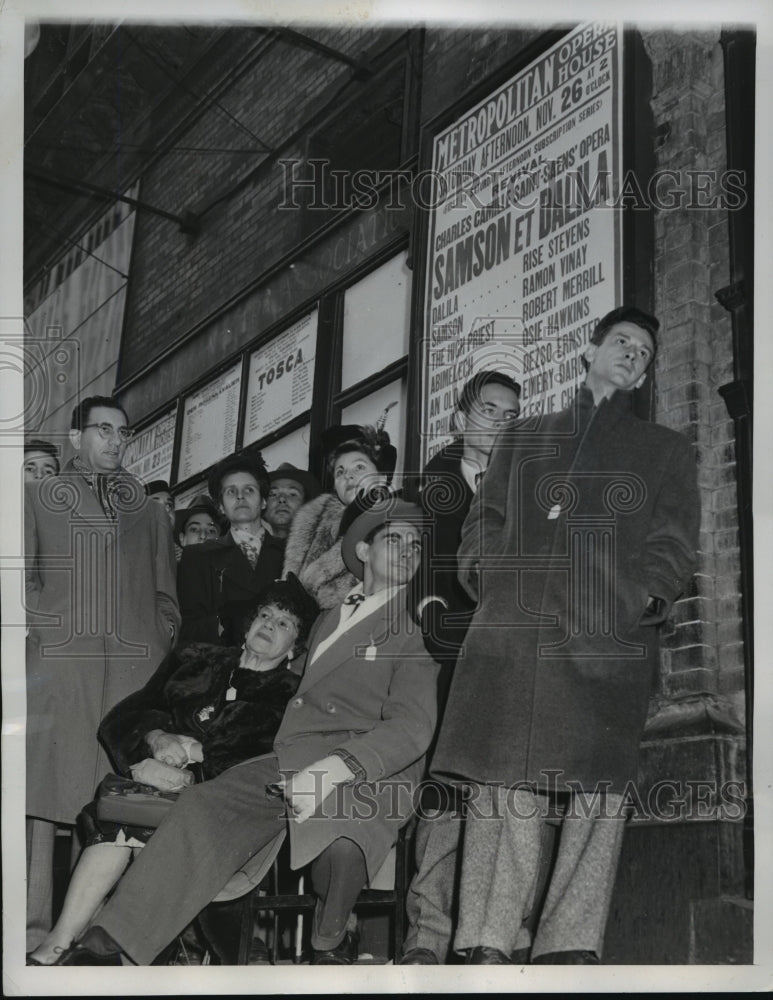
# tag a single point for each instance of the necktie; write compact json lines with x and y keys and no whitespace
{"x":478,"y":477}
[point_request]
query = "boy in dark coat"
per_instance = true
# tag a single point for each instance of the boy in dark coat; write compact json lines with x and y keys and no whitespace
{"x":582,"y":535}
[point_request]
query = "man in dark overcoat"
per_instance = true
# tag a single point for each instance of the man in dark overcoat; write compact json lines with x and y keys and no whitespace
{"x":581,"y":536}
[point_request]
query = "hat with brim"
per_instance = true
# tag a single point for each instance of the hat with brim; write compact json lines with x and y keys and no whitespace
{"x":202,"y":504}
{"x":306,"y":480}
{"x":386,"y":510}
{"x":157,"y":486}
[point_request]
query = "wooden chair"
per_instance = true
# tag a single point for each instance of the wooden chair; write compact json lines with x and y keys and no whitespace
{"x":388,"y":891}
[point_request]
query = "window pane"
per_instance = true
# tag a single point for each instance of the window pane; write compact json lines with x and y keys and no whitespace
{"x":210,"y":416}
{"x":292,"y":448}
{"x":370,"y":408}
{"x":376,"y":321}
{"x":183,"y":499}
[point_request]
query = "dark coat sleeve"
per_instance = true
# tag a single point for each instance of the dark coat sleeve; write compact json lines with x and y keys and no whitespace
{"x":197,"y":591}
{"x":122,"y":731}
{"x":672,"y":538}
{"x":483,"y":531}
{"x":165,"y":570}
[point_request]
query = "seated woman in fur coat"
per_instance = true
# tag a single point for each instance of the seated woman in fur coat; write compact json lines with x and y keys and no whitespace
{"x":205,"y":709}
{"x":359,"y":458}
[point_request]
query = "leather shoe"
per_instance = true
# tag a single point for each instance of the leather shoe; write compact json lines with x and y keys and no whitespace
{"x":419,"y":956}
{"x":96,"y":947}
{"x":344,"y":953}
{"x":483,"y":955}
{"x":567,"y":958}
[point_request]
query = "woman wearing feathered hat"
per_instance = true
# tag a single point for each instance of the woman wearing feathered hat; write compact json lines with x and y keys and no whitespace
{"x":360,"y":458}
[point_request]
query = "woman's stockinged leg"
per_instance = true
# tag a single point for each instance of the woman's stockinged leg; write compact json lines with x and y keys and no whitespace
{"x":99,"y":868}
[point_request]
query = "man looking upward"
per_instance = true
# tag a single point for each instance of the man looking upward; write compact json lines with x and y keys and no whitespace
{"x":582,"y":535}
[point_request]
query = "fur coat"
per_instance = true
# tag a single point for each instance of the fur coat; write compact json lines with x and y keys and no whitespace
{"x":187,"y":695}
{"x":313,"y":551}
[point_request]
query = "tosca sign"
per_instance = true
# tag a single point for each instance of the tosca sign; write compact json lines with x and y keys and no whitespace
{"x":524,"y":251}
{"x":281,"y":379}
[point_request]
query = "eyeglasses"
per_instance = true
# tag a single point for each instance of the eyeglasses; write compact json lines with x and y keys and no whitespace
{"x":282,"y":621}
{"x":106,"y":431}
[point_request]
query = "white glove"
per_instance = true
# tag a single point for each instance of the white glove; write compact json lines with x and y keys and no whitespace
{"x":161,"y":776}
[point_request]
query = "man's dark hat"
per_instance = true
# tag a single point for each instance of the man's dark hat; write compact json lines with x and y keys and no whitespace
{"x":201,"y":504}
{"x":363,"y":502}
{"x":311,"y":487}
{"x":382,"y":511}
{"x":156,"y":486}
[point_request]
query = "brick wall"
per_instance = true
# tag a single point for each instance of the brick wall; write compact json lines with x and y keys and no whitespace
{"x":178,"y":280}
{"x":702,"y":646}
{"x":456,"y":60}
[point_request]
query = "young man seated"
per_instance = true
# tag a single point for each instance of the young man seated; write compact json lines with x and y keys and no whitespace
{"x":347,"y":756}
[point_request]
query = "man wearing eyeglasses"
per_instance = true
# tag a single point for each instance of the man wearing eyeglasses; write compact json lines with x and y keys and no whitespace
{"x":102,"y":613}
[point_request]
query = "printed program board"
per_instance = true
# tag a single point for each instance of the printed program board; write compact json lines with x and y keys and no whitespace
{"x":210,"y":419}
{"x":149,"y":453}
{"x":524,"y":248}
{"x":281,"y":379}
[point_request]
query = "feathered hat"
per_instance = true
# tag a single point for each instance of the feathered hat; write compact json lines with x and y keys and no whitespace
{"x":371,"y":441}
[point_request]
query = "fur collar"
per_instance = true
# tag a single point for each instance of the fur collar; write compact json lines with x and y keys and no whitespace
{"x":313,"y":531}
{"x":313,"y":551}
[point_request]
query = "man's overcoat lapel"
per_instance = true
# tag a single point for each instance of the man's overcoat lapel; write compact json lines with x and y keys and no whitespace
{"x":371,"y":630}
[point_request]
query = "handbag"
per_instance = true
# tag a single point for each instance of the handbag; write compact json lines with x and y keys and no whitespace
{"x":132,"y":803}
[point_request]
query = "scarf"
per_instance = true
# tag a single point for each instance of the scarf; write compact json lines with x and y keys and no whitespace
{"x":249,"y":543}
{"x":104,"y":485}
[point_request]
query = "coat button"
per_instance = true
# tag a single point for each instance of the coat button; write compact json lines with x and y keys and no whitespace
{"x":330,"y":707}
{"x":297,"y":702}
